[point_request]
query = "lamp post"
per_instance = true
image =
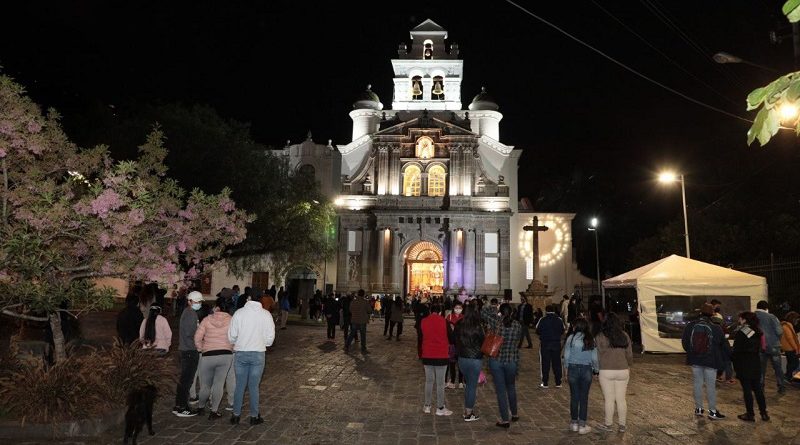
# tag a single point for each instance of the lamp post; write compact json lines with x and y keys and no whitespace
{"x":594,"y":223}
{"x":669,"y":177}
{"x":723,"y":58}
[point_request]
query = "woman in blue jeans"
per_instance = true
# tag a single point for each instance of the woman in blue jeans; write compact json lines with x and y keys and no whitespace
{"x":469,"y":338}
{"x":504,"y":366}
{"x":580,"y":358}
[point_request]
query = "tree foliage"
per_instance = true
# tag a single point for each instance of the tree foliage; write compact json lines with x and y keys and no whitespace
{"x":70,"y":215}
{"x":783,"y":91}
{"x":294,"y":222}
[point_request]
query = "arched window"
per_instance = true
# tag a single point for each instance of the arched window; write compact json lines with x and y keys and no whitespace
{"x":424,"y":148}
{"x":436,"y":181}
{"x":427,"y":52}
{"x":412,"y":181}
{"x":416,"y":88}
{"x":437,"y":91}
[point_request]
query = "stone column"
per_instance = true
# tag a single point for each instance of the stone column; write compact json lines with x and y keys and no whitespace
{"x":382,"y":177}
{"x":505,"y":257}
{"x":427,"y":85}
{"x":381,"y":241}
{"x":454,"y":172}
{"x":343,"y":258}
{"x":480,"y":278}
{"x":469,"y":261}
{"x":394,"y":171}
{"x":365,"y":247}
{"x":466,"y":171}
{"x":423,"y":184}
{"x":396,"y":263}
{"x":455,"y":280}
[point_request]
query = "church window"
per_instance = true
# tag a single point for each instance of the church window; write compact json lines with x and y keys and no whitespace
{"x":427,"y":52}
{"x":436,"y":181}
{"x":416,"y":88}
{"x":424,"y":147}
{"x":437,"y":91}
{"x":412,"y":181}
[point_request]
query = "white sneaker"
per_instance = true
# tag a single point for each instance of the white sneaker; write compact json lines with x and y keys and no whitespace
{"x":460,"y":386}
{"x":543,"y":386}
{"x":585,"y":429}
{"x":450,"y":386}
{"x":443,"y":411}
{"x":426,"y":409}
{"x":573,"y":427}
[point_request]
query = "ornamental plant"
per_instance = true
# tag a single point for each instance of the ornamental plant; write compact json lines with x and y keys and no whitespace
{"x":69,"y":215}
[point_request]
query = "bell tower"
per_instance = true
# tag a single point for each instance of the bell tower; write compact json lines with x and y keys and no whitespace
{"x":428,"y":74}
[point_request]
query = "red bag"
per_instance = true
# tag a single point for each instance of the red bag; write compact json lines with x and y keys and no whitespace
{"x":491,"y":344}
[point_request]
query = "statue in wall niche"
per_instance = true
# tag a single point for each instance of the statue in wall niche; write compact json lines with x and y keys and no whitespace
{"x":354,"y":267}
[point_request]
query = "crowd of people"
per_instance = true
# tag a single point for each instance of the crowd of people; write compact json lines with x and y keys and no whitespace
{"x":223,"y":345}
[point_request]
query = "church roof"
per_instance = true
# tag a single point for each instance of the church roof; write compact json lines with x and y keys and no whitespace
{"x":428,"y":27}
{"x":394,"y":126}
{"x":483,"y":101}
{"x":368,"y":99}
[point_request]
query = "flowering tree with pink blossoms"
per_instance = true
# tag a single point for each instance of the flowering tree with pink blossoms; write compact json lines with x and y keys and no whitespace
{"x":71,"y":215}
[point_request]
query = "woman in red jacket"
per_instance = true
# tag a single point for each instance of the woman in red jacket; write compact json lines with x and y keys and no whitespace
{"x":434,"y":354}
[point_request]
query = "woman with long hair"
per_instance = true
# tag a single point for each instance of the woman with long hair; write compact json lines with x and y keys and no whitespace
{"x":504,"y":366}
{"x":615,"y":357}
{"x":469,"y":338}
{"x":580,"y":358}
{"x":747,"y":363}
{"x":433,"y":352}
{"x":155,"y":332}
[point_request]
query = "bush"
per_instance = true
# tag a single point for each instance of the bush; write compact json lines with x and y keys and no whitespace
{"x":82,"y":385}
{"x":65,"y":390}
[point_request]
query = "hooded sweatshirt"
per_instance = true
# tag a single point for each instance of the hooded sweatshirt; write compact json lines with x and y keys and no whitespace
{"x":211,"y":337}
{"x":251,"y":328}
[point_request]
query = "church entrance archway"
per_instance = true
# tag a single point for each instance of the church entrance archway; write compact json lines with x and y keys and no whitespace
{"x":424,"y":269}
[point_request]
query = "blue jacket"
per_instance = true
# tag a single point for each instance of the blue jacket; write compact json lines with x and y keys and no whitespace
{"x":285,"y":303}
{"x":771,"y":327}
{"x":574,"y":354}
{"x":550,"y":328}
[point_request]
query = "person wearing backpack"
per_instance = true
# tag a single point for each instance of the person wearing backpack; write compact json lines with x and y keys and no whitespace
{"x":702,"y":340}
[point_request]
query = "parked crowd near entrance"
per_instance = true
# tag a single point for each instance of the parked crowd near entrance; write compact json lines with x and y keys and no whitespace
{"x":223,"y":347}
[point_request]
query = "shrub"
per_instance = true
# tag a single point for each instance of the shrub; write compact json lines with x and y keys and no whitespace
{"x":65,"y":390}
{"x":82,"y":385}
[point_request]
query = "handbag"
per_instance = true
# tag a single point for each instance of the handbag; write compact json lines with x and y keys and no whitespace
{"x":491,"y":344}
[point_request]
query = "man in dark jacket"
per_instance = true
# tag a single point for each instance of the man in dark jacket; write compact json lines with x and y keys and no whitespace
{"x":771,"y":327}
{"x":702,"y":340}
{"x":360,"y":311}
{"x":189,"y":356}
{"x":525,"y":317}
{"x":550,"y":329}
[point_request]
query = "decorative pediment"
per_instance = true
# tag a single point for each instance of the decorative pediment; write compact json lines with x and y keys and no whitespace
{"x":454,"y":127}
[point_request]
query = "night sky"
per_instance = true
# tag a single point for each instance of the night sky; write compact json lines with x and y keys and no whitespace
{"x":593,"y":134}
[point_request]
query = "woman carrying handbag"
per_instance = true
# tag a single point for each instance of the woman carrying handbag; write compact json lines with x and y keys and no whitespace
{"x":503,"y":365}
{"x":469,"y":339}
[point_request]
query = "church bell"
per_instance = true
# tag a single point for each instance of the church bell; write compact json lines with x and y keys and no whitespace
{"x":437,"y":88}
{"x":416,"y":90}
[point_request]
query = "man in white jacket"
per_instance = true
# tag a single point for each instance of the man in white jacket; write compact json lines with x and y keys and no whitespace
{"x":252,"y":330}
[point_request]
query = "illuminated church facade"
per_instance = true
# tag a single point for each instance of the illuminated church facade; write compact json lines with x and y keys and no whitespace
{"x":427,"y":200}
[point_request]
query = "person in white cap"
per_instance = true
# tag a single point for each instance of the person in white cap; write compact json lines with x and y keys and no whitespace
{"x":188,"y":354}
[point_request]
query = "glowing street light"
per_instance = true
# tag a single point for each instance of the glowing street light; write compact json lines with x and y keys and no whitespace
{"x":788,"y":111}
{"x":594,"y":222}
{"x":670,"y":177}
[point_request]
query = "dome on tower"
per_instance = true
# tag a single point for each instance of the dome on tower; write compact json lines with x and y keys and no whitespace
{"x":368,"y":100}
{"x":483,"y":101}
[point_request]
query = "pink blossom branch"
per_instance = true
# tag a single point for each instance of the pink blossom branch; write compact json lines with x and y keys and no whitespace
{"x":5,"y":192}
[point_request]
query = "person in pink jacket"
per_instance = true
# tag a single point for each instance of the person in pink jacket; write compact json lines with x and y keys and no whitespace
{"x":211,"y":340}
{"x":155,"y":332}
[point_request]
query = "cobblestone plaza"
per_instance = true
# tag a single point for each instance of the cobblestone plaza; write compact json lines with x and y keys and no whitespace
{"x":314,"y":393}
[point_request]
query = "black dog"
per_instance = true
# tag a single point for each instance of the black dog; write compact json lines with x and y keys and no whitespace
{"x":140,"y":410}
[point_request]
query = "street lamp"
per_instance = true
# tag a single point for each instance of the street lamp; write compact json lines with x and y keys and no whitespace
{"x":670,"y":177}
{"x":594,"y":223}
{"x":723,"y":57}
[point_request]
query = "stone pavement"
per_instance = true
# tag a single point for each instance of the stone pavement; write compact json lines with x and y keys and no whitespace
{"x":314,"y":393}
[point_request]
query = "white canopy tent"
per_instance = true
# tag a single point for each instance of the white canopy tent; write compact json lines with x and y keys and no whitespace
{"x":671,"y":290}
